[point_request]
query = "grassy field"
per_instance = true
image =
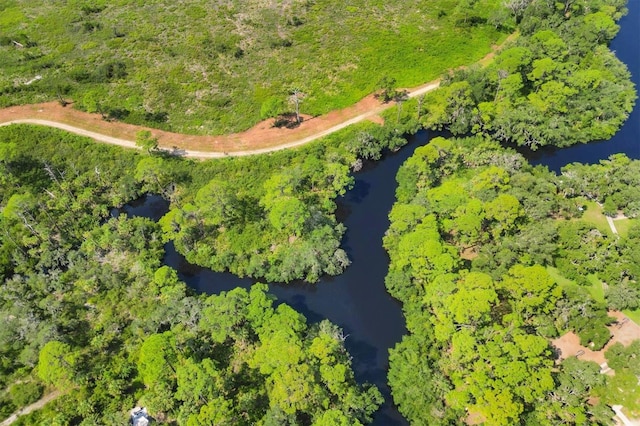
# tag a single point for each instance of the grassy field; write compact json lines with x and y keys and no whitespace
{"x":594,"y":216}
{"x":623,"y":225}
{"x":215,"y":67}
{"x":595,"y":289}
{"x":634,"y":315}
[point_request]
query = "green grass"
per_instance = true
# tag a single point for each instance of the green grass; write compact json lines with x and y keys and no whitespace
{"x":623,"y":225}
{"x":593,"y":215}
{"x":595,"y":289}
{"x":208,"y":66}
{"x":634,"y":315}
{"x":559,"y":278}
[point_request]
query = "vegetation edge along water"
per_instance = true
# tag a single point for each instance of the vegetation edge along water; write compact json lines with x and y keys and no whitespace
{"x":492,"y":260}
{"x":72,"y":269}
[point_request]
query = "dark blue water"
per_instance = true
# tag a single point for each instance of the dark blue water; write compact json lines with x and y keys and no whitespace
{"x":357,"y":300}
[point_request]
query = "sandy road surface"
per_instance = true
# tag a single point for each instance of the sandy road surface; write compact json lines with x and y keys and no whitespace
{"x":35,"y":406}
{"x":100,"y":137}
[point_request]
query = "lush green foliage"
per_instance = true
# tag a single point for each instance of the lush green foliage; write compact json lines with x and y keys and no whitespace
{"x":87,"y":307}
{"x":471,"y":233}
{"x":280,"y":225}
{"x":268,"y":216}
{"x":623,"y":388}
{"x":556,"y":84}
{"x":613,"y":183}
{"x":25,"y":393}
{"x":265,"y":216}
{"x":218,"y":67}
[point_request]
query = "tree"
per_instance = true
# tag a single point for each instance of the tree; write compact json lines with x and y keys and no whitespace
{"x":291,"y":390}
{"x":505,"y":210}
{"x":290,"y":214}
{"x":451,"y":105}
{"x":602,"y":25}
{"x":567,"y":403}
{"x":23,"y":394}
{"x":154,"y":173}
{"x":468,"y":221}
{"x":387,"y":87}
{"x":217,"y":412}
{"x":22,"y":207}
{"x":417,"y":388}
{"x":157,"y":359}
{"x":295,"y":98}
{"x":145,"y":140}
{"x":532,"y":291}
{"x":620,"y":357}
{"x":469,"y":306}
{"x":365,"y":145}
{"x":224,"y":315}
{"x":8,"y":152}
{"x":335,"y":417}
{"x":623,"y":296}
{"x":217,"y":203}
{"x":465,"y":8}
{"x":517,"y":7}
{"x":198,"y":383}
{"x":56,"y":365}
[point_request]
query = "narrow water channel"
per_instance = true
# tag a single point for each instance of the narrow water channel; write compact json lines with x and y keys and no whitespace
{"x":357,"y":300}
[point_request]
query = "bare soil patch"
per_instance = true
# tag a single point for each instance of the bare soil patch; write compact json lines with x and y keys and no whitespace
{"x":262,"y":135}
{"x":623,"y":331}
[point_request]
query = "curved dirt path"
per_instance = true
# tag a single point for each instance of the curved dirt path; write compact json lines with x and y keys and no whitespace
{"x":29,"y":408}
{"x":51,"y":114}
{"x":260,"y":139}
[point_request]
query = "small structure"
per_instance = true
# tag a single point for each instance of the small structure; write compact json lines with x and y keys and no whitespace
{"x":139,"y":417}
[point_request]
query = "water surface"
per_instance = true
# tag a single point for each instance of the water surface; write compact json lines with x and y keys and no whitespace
{"x":357,"y":300}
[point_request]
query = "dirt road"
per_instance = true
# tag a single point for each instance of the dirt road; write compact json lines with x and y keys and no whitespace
{"x":264,"y":137}
{"x":105,"y":131}
{"x":35,"y":406}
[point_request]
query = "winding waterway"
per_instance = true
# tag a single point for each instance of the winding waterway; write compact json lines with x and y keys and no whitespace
{"x":357,"y":300}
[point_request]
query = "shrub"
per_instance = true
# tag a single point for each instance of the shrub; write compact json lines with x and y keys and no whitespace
{"x":26,"y":393}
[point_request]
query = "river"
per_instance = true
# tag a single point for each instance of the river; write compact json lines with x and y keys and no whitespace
{"x":357,"y":300}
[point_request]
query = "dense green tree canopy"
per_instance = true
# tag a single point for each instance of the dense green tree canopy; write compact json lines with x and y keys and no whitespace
{"x":88,"y":308}
{"x":474,"y":237}
{"x":556,"y":84}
